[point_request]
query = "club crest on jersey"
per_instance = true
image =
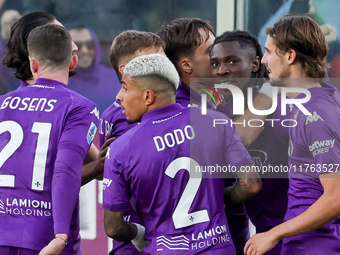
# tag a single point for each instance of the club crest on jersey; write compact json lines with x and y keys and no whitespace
{"x":91,"y":133}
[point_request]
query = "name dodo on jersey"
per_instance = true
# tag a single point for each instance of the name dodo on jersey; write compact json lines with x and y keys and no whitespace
{"x":176,"y":137}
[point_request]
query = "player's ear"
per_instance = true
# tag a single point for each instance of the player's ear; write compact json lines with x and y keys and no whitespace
{"x":74,"y":62}
{"x":149,"y":97}
{"x":255,"y":64}
{"x":185,"y":66}
{"x":290,"y":56}
{"x":34,"y":64}
{"x":121,"y":69}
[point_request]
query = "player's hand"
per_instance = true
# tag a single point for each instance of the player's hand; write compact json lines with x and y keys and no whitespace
{"x":260,"y":243}
{"x":101,"y":156}
{"x":55,"y":247}
{"x":141,"y":244}
{"x":139,"y":241}
{"x":104,"y":148}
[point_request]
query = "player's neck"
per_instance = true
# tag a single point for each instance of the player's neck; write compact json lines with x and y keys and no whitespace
{"x":299,"y":79}
{"x":162,"y":101}
{"x":60,"y":75}
{"x":30,"y":81}
{"x":185,"y":79}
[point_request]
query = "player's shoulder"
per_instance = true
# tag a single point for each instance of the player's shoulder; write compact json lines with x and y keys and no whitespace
{"x":324,"y":112}
{"x":76,"y":104}
{"x":76,"y":97}
{"x":79,"y":101}
{"x":112,"y":111}
{"x":126,"y":141}
{"x":325,"y":105}
{"x":322,"y":100}
{"x":210,"y":114}
{"x":325,"y":95}
{"x":9,"y":94}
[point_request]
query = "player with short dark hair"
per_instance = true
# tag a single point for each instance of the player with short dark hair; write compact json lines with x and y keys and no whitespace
{"x":132,"y":43}
{"x":188,"y":42}
{"x":235,"y":58}
{"x":46,"y":131}
{"x":126,"y":46}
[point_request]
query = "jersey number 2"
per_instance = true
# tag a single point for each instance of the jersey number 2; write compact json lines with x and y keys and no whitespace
{"x":181,"y":216}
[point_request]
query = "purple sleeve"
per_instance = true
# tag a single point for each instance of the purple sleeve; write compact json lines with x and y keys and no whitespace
{"x":79,"y":131}
{"x":236,"y":153}
{"x":74,"y":143}
{"x":65,"y":188}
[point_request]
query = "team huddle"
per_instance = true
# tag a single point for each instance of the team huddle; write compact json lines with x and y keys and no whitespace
{"x":160,"y":136}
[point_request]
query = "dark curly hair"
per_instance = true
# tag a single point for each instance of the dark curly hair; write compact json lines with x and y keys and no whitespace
{"x":16,"y":56}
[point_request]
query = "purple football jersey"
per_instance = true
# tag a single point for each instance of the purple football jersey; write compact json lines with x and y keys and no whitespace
{"x":268,"y":207}
{"x":183,"y":94}
{"x":45,"y":132}
{"x":314,"y":149}
{"x":236,"y":214}
{"x":23,"y":83}
{"x":113,"y":122}
{"x":188,"y":97}
{"x":159,"y":165}
{"x":270,"y":149}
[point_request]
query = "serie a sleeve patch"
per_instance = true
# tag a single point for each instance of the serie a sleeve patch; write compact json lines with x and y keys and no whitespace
{"x":91,"y":133}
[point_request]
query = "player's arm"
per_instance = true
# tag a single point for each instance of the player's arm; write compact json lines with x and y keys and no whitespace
{"x":262,"y":101}
{"x":65,"y":184}
{"x":73,"y":145}
{"x":247,"y":185}
{"x":95,"y":168}
{"x":56,"y":246}
{"x":324,"y":210}
{"x":91,"y":155}
{"x":120,"y":230}
{"x":117,"y":228}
